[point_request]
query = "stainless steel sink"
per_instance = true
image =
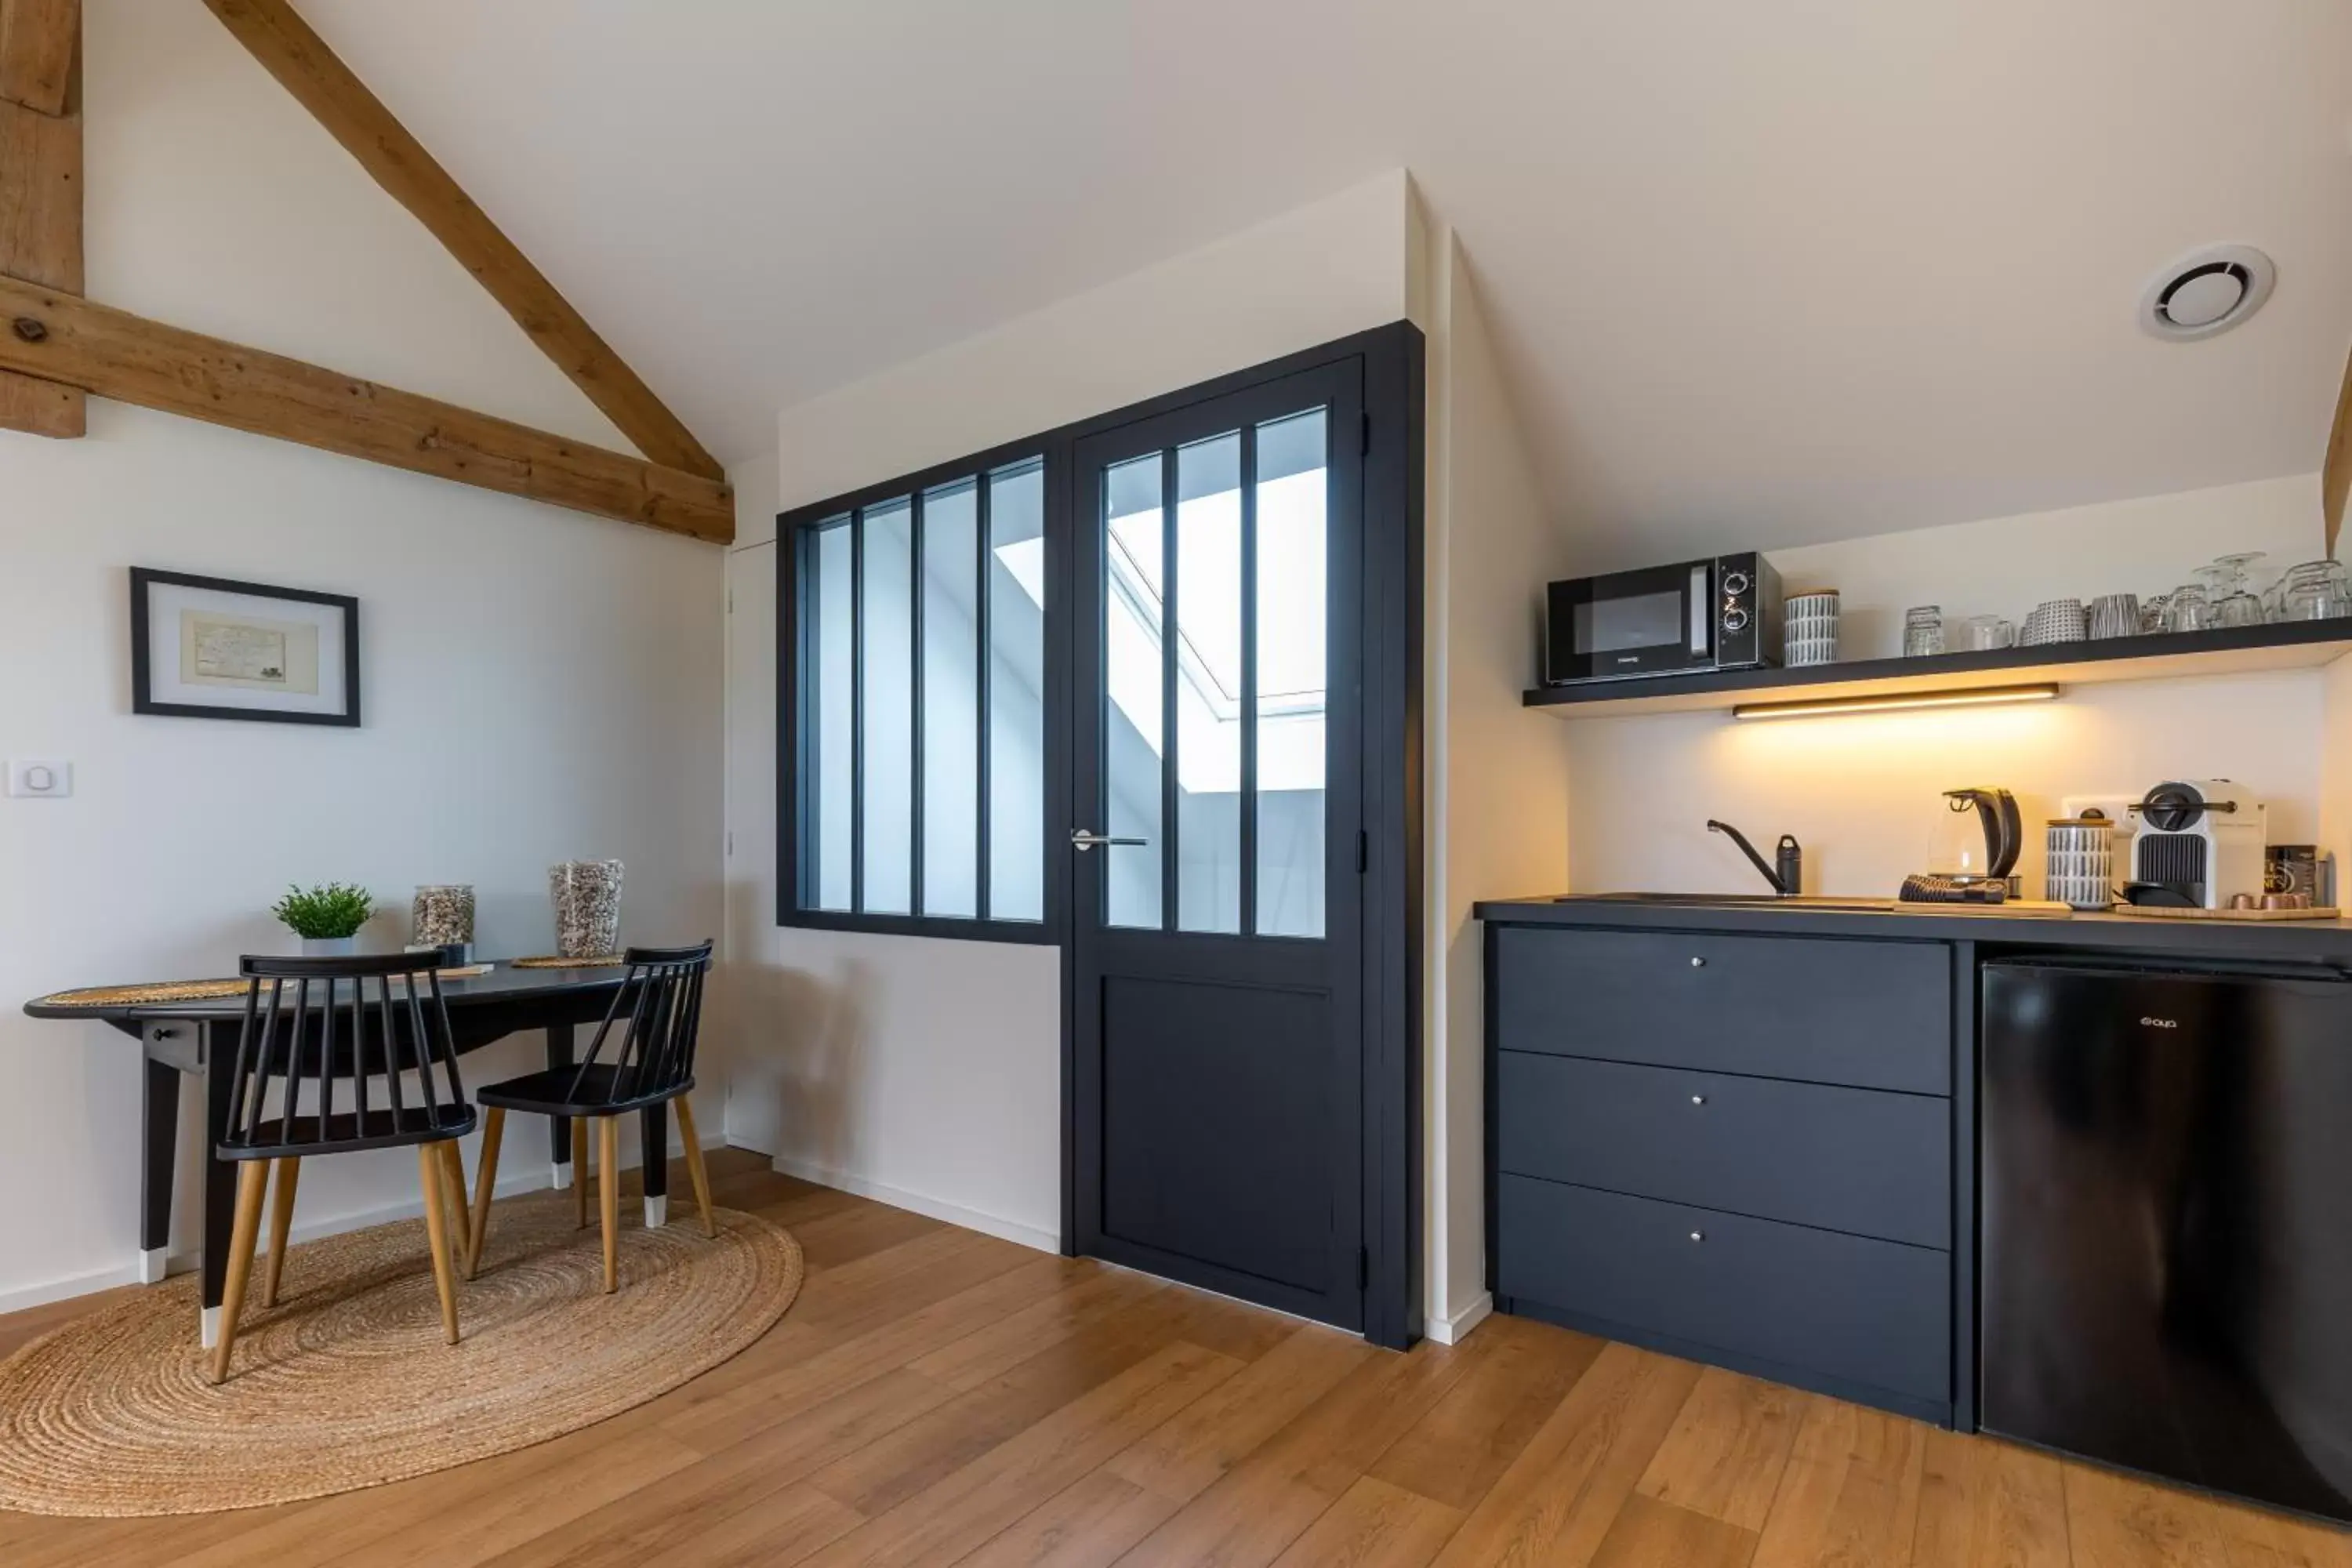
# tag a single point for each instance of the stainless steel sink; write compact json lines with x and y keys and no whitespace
{"x":1733,"y":901}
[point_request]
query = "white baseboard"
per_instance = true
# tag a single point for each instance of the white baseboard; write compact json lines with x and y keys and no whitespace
{"x":1452,"y":1331}
{"x":935,"y":1208}
{"x":25,"y":1297}
{"x":148,"y":1267}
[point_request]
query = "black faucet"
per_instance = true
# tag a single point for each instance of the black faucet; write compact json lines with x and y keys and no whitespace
{"x":1789,"y":879}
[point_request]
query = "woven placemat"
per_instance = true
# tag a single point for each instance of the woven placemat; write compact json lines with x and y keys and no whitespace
{"x":157,"y":992}
{"x":137,"y":995}
{"x":345,"y":1383}
{"x":607,"y":960}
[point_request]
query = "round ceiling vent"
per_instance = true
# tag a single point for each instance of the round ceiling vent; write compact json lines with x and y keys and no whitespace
{"x":2207,"y":291}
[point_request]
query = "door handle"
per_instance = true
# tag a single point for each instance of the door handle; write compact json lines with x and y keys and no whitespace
{"x":1081,"y":840}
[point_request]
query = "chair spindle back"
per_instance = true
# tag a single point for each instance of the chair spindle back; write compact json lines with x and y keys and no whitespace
{"x":659,"y":1015}
{"x":313,"y":1021}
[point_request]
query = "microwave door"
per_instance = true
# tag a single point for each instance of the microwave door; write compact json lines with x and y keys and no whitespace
{"x":1652,"y":622}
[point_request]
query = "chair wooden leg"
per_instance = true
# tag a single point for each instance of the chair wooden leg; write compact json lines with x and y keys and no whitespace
{"x":461,"y":1223}
{"x":694,"y":1168}
{"x":432,"y":1174}
{"x":580,"y":1173}
{"x":252,"y":1188}
{"x":494,"y":1126}
{"x":287,"y":1172}
{"x":608,"y":1193}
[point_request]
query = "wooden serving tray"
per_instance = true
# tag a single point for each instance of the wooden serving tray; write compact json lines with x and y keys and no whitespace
{"x":2156,"y":913}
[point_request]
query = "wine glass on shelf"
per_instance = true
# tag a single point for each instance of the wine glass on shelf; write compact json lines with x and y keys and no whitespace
{"x":2234,"y":603}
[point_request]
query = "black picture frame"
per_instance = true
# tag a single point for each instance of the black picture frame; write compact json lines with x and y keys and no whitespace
{"x":143,"y":699}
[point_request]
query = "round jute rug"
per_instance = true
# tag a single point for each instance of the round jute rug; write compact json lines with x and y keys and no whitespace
{"x":346,"y":1383}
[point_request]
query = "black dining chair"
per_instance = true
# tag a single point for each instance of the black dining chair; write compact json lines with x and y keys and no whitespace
{"x":312,"y":1024}
{"x":656,"y":1016}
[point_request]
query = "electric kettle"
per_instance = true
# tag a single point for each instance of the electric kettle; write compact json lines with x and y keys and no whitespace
{"x":1971,"y":850}
{"x":1983,"y":849}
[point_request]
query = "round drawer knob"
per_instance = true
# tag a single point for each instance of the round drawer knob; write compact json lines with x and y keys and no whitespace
{"x":1698,"y":1235}
{"x":1698,"y":1099}
{"x":1698,"y":964}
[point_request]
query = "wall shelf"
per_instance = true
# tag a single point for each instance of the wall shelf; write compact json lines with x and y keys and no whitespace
{"x":2159,"y":655}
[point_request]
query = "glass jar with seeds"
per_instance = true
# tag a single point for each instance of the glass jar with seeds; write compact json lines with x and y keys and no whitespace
{"x":587,"y":895}
{"x":441,"y":914}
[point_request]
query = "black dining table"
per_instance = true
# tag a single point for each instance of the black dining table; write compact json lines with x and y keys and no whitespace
{"x":199,"y":1038}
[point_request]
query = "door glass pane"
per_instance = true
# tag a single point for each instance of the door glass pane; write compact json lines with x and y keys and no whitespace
{"x":1208,"y":685}
{"x":885,"y":631}
{"x":951,"y":716}
{"x":1016,"y":692}
{"x":1133,"y":731}
{"x":1293,"y":496}
{"x":831,"y":698}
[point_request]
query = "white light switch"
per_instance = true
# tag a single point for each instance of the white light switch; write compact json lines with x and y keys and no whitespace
{"x":40,"y":780}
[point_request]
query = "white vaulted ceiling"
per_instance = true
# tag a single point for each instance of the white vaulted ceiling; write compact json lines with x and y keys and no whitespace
{"x":1766,"y":270}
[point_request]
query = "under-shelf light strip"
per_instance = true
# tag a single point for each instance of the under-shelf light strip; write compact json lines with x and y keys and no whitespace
{"x":1817,"y":707}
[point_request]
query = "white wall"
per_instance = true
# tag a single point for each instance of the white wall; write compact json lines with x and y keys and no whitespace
{"x":1495,"y":782}
{"x":538,"y":684}
{"x":927,"y":1072}
{"x":1321,"y":272}
{"x":1861,"y":792}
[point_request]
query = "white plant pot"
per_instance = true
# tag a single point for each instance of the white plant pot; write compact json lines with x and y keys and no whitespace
{"x":329,"y":946}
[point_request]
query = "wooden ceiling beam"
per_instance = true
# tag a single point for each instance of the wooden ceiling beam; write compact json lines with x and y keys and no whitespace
{"x":301,"y":62}
{"x":40,"y":187}
{"x":36,"y":51}
{"x":55,"y":335}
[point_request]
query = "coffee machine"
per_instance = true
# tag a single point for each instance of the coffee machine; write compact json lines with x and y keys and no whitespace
{"x":2203,"y":839}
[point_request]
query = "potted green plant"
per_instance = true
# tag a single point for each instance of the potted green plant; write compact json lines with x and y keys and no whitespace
{"x":327,"y":917}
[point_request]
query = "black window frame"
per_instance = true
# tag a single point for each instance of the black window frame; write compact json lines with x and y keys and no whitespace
{"x":795,"y":807}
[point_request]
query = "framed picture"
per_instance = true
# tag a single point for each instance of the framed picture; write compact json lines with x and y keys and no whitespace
{"x":203,"y":648}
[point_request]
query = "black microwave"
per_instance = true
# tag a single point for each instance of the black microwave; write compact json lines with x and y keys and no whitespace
{"x":1723,"y":614}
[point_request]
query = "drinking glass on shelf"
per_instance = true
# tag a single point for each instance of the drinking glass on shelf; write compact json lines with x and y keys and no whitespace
{"x":2191,"y":610}
{"x":1923,"y":631}
{"x":1981,"y":634}
{"x":2152,"y":613}
{"x":2317,"y":590}
{"x":2225,"y":586}
{"x":2237,"y":607}
{"x":2115,"y":616}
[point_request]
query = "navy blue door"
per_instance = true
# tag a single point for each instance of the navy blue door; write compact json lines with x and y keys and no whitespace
{"x":1217,"y":943}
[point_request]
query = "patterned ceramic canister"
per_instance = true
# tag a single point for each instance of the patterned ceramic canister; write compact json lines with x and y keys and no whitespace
{"x":2080,"y":867}
{"x":1810,"y":630}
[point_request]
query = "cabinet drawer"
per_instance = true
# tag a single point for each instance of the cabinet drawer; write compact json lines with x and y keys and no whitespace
{"x":1878,"y":1015}
{"x":1859,"y":1160}
{"x":1871,"y":1312}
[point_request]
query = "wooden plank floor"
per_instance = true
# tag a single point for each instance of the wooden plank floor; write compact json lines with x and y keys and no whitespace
{"x":937,"y":1396}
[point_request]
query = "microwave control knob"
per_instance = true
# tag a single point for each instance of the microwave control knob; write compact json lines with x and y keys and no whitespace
{"x":1734,"y":582}
{"x":1735,"y":620}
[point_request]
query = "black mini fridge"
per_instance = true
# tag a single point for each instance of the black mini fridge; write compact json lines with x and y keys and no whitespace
{"x":2167,"y":1213}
